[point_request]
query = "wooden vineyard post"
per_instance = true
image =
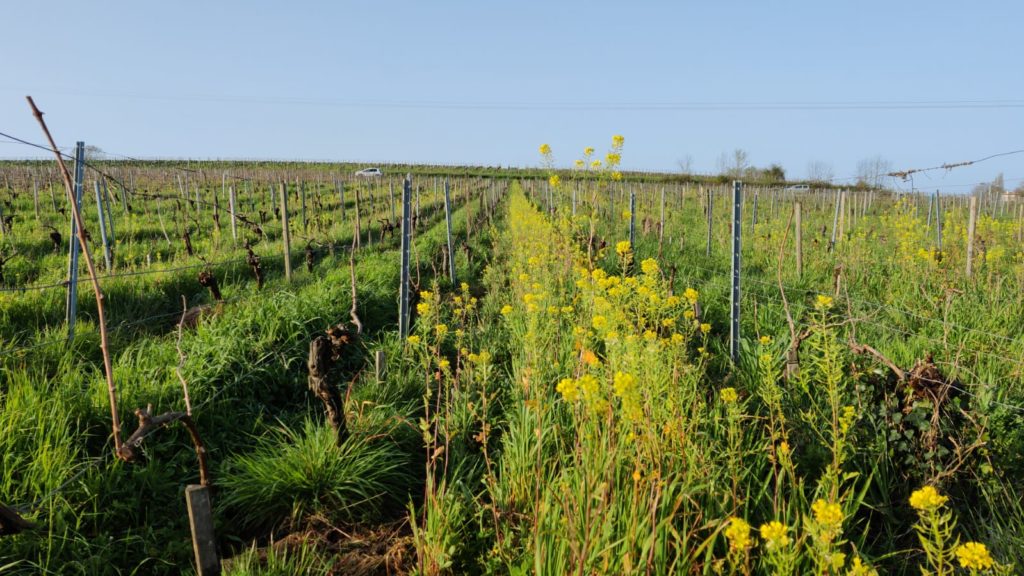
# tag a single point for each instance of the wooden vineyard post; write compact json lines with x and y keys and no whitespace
{"x":73,"y":247}
{"x":798,"y":232}
{"x":661,"y":224}
{"x":575,"y":190}
{"x":734,"y":295}
{"x":341,"y":196}
{"x":835,"y":222}
{"x":380,"y":365}
{"x":448,"y":222}
{"x":35,"y":197}
{"x":632,"y":219}
{"x":753,"y":218}
{"x":200,"y":519}
{"x":469,"y":215}
{"x":403,"y":289}
{"x":103,"y":226}
{"x":359,"y":230}
{"x":710,"y":205}
{"x":842,"y":215}
{"x":938,"y":223}
{"x":971,"y":224}
{"x":391,"y":196}
{"x":285,"y":233}
{"x":1020,"y":222}
{"x":110,"y":214}
{"x":302,"y":201}
{"x":232,"y":203}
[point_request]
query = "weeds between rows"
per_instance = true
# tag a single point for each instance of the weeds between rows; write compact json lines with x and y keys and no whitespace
{"x":617,"y":444}
{"x":245,"y":376}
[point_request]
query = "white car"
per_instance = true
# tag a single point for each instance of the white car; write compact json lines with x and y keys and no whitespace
{"x":369,"y":172}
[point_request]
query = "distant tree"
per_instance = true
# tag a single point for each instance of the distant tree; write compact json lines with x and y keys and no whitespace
{"x":996,"y":186}
{"x":94,"y":153}
{"x":686,"y":164}
{"x":734,"y":165}
{"x":775,"y":173}
{"x":999,"y":185}
{"x":818,"y":171}
{"x":871,"y":172}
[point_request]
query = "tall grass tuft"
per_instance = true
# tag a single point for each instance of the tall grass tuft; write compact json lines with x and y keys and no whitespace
{"x":296,"y":473}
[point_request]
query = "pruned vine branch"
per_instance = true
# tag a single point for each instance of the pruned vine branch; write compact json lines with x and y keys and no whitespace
{"x":149,"y":424}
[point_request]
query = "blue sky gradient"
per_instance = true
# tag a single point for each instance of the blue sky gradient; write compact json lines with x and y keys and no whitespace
{"x":486,"y":83}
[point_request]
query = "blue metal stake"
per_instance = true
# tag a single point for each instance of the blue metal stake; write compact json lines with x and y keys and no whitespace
{"x":103,"y":226}
{"x":448,"y":221}
{"x":73,"y":247}
{"x":403,"y":290}
{"x":734,"y":296}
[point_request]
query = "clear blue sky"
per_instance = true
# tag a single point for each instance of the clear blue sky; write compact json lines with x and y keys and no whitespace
{"x":487,"y":82}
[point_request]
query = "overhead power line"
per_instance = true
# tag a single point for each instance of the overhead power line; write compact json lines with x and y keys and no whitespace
{"x":705,"y":105}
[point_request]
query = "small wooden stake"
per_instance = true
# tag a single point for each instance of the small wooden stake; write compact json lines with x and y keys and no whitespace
{"x":380,"y":365}
{"x":971,"y":225}
{"x":286,"y":234}
{"x":200,"y":519}
{"x":798,"y":231}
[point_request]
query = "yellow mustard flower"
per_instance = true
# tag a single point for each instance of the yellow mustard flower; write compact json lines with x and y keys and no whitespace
{"x":649,"y":266}
{"x":765,"y":340}
{"x":506,"y":310}
{"x":414,"y":339}
{"x":623,"y":383}
{"x":569,"y":389}
{"x":691,"y":295}
{"x":705,"y":328}
{"x":554,"y":181}
{"x":859,"y":568}
{"x":623,"y":247}
{"x":588,"y":151}
{"x":775,"y":535}
{"x":423,"y":308}
{"x":618,"y":140}
{"x":738,"y":534}
{"x":828,"y":514}
{"x":545,"y":149}
{"x":729,"y":395}
{"x":579,"y":163}
{"x":589,"y":385}
{"x":927,"y":498}
{"x":974,"y":556}
{"x":823,"y":302}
